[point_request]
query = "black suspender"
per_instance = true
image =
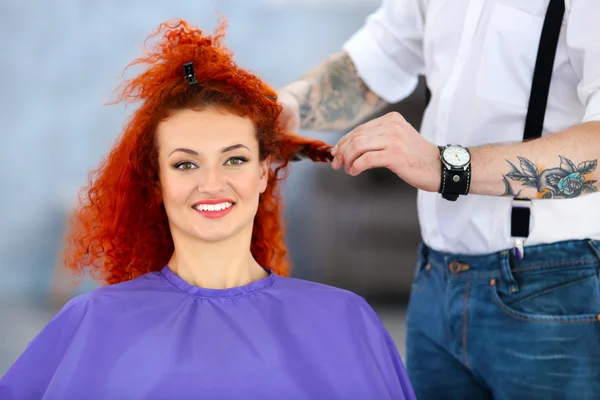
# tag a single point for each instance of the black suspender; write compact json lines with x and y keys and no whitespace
{"x":534,"y":122}
{"x":542,"y":74}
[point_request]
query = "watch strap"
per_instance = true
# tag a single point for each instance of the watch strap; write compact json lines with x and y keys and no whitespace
{"x":455,"y":181}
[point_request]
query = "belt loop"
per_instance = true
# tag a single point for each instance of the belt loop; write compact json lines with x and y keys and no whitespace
{"x":422,"y":255}
{"x":425,"y":253}
{"x":507,"y":275}
{"x":595,"y":247}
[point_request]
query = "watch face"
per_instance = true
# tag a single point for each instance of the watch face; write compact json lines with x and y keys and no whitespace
{"x":456,"y":156}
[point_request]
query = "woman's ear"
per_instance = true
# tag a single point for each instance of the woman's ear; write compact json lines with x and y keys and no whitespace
{"x":264,"y":174}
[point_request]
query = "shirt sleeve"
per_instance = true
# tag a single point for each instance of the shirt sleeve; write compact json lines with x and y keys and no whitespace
{"x":388,"y":49}
{"x":29,"y":377}
{"x":582,"y":37}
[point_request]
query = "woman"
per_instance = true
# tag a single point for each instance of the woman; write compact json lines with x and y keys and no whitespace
{"x":182,"y":221}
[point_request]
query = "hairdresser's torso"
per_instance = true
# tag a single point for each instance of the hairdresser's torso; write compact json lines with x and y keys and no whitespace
{"x":478,"y":58}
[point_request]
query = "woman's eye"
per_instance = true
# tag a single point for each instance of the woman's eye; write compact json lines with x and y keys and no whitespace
{"x":185,"y":165}
{"x":235,"y":161}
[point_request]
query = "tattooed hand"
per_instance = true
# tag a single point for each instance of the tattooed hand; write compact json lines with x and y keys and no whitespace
{"x":562,"y":182}
{"x":390,"y":142}
{"x":289,"y":119}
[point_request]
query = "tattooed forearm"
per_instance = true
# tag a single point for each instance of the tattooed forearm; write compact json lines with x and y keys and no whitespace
{"x":565,"y":181}
{"x":560,"y":165}
{"x":333,"y":97}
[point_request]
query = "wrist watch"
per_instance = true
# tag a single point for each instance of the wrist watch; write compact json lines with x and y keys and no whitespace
{"x":456,"y":171}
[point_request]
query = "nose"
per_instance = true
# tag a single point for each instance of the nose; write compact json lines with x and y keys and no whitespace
{"x":211,"y":181}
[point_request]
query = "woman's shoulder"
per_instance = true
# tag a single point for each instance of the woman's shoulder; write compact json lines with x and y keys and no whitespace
{"x":110,"y":294}
{"x":329,"y":305}
{"x":302,"y":285}
{"x":310,"y":291}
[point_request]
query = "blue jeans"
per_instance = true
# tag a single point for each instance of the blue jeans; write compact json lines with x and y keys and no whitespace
{"x":492,"y":327}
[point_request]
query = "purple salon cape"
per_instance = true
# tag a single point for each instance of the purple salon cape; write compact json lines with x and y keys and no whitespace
{"x":158,"y":337}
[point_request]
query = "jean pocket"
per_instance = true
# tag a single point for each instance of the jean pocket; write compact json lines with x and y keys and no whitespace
{"x":552,"y":295}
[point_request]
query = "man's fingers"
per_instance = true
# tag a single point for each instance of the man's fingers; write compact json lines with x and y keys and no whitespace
{"x":368,"y":160}
{"x":361,"y":145}
{"x":372,"y":124}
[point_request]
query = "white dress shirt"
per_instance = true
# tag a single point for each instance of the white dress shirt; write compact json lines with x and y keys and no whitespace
{"x":478,"y":58}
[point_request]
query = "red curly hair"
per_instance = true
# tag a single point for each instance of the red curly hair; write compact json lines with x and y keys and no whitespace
{"x":120,"y":229}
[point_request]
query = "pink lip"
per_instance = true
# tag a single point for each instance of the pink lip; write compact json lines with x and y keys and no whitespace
{"x":214,"y":214}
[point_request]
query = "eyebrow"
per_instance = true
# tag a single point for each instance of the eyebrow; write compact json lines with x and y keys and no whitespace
{"x":224,"y":150}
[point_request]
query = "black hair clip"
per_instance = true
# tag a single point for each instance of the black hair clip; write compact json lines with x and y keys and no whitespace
{"x":271,"y":97}
{"x":188,"y":72}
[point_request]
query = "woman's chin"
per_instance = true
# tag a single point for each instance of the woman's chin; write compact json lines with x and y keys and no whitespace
{"x":213,"y":236}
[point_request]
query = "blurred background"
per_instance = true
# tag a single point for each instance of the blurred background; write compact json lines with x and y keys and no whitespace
{"x":60,"y":64}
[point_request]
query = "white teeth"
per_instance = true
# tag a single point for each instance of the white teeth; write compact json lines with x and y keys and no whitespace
{"x":213,"y":207}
